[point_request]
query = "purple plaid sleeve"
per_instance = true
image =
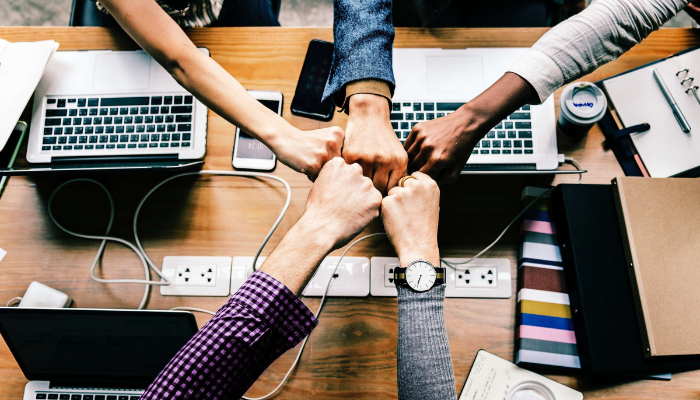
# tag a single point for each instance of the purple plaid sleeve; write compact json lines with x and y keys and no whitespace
{"x":261,"y":321}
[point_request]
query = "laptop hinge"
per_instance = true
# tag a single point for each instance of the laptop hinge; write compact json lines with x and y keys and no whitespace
{"x":112,"y":159}
{"x":98,"y":384}
{"x":499,"y":167}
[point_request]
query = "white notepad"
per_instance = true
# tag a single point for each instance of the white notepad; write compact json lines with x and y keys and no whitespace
{"x":665,"y":149}
{"x":21,"y":68}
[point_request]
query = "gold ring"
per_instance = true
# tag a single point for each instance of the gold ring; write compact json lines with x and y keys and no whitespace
{"x":405,"y":178}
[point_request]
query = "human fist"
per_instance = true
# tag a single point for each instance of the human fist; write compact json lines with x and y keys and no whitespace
{"x":308,"y":151}
{"x":410,"y":214}
{"x":441,"y":147}
{"x":342,"y":202}
{"x":371,"y":142}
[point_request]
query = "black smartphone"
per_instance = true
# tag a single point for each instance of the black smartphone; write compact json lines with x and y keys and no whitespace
{"x":312,"y":81}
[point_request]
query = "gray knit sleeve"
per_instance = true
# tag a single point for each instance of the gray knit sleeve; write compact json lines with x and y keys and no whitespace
{"x":424,"y":363}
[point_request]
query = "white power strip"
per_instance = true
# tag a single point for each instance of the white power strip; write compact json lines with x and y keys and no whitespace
{"x":196,"y":276}
{"x":481,"y":278}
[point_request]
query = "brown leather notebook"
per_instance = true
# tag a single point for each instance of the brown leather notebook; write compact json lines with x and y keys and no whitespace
{"x":660,"y":225}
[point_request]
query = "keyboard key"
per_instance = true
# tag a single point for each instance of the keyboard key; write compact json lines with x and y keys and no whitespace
{"x":448,"y":106}
{"x":523,"y":125}
{"x":413,"y":124}
{"x":406,"y":104}
{"x":528,"y":151}
{"x":140,"y":128}
{"x":82,"y":112}
{"x":107,"y":120}
{"x":186,"y":144}
{"x":185,"y":136}
{"x":168,"y":100}
{"x":144,"y":138}
{"x":150,"y":128}
{"x":526,"y":107}
{"x":525,"y":135}
{"x":133,"y":110}
{"x":430,"y":116}
{"x":405,"y":134}
{"x":62,"y":140}
{"x":182,"y":128}
{"x":87,"y":121}
{"x":528,"y":143}
{"x":409,"y":116}
{"x":41,"y":395}
{"x":511,"y":135}
{"x":155,"y":137}
{"x":496,"y":143}
{"x":123,"y":138}
{"x":152,"y":145}
{"x":113,"y":111}
{"x":73,"y":139}
{"x":164,"y":110}
{"x":188,"y":99}
{"x":56,"y":148}
{"x":181,"y":110}
{"x":87,"y":397}
{"x":164,"y":144}
{"x":495,"y":152}
{"x":501,"y":134}
{"x":79,"y":130}
{"x":475,"y":151}
{"x":178,"y":99}
{"x":52,"y":121}
{"x":420,"y":116}
{"x":520,"y":115}
{"x":160,"y":128}
{"x":134,"y":138}
{"x":428,"y":106}
{"x":53,"y":395}
{"x":110,"y":146}
{"x":396,"y":116}
{"x":132,"y":145}
{"x":165,"y":137}
{"x":93,"y":111}
{"x":485,"y":143}
{"x":506,"y":151}
{"x":61,"y":103}
{"x":491,"y":135}
{"x":56,"y":113}
{"x":78,"y":147}
{"x":67,"y":147}
{"x":144,"y":110}
{"x":171,"y":128}
{"x":499,"y":126}
{"x":517,"y":143}
{"x":395,"y":106}
{"x":68,"y":131}
{"x":71,"y":100}
{"x":119,"y":129}
{"x":83,"y":139}
{"x":76,"y":121}
{"x":118,"y":120}
{"x":175,"y":144}
{"x":104,"y":111}
{"x":507,"y":143}
{"x":97,"y":120}
{"x":73,"y":112}
{"x":404,"y":125}
{"x":113,"y":138}
{"x":123,"y":101}
{"x":49,"y":140}
{"x":92,"y":139}
{"x":159,"y":119}
{"x":176,"y":136}
{"x":59,"y":131}
{"x":121,"y":146}
{"x":171,"y":118}
{"x":49,"y":131}
{"x":484,"y":152}
{"x":68,"y":121}
{"x":50,"y":101}
{"x":124,"y":111}
{"x":128,"y":120}
{"x":129,"y":129}
{"x":99,"y":147}
{"x":138,"y":120}
{"x":394,"y":125}
{"x":508,"y":125}
{"x":143,"y":145}
{"x":439,"y":115}
{"x":109,"y":129}
{"x":154,"y":110}
{"x":123,"y":397}
{"x":416,"y":106}
{"x":93,"y":102}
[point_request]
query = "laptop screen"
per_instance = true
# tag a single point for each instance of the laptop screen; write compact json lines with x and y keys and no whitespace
{"x":88,"y":345}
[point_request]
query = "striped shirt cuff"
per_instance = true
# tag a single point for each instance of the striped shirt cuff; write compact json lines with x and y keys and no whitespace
{"x":540,"y":71}
{"x":275,"y":304}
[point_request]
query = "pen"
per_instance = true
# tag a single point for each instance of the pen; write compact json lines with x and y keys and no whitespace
{"x":672,"y":102}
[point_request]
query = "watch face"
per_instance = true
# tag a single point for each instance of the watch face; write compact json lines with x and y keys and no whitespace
{"x":420,"y":276}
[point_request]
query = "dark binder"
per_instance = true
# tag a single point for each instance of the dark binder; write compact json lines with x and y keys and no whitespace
{"x":600,"y":294}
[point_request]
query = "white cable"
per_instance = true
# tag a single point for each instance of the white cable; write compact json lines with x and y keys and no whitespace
{"x":12,"y":300}
{"x":138,"y":249}
{"x":318,"y":313}
{"x":195,"y":309}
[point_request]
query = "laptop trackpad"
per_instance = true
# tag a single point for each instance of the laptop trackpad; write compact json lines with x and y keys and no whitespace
{"x":455,"y":74}
{"x":122,"y":72}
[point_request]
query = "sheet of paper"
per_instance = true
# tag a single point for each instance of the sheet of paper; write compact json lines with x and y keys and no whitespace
{"x":21,"y":68}
{"x":665,"y":149}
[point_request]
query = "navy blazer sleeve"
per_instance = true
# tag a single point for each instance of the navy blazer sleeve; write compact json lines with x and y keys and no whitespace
{"x":363,"y":32}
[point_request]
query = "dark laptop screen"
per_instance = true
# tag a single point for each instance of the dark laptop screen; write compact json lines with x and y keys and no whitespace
{"x":94,"y":345}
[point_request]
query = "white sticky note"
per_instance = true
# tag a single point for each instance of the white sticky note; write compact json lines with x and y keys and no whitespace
{"x":2,"y":254}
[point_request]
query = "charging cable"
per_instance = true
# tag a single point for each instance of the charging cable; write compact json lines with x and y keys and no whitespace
{"x":138,"y":248}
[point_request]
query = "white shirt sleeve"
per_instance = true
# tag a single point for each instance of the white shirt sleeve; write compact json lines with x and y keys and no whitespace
{"x":596,"y":36}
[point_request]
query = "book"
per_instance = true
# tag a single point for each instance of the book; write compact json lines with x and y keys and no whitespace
{"x":601,"y":299}
{"x":21,"y":67}
{"x":659,"y":219}
{"x":665,"y":149}
{"x":545,"y":335}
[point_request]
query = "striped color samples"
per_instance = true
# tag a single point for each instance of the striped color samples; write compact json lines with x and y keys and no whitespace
{"x":545,"y":334}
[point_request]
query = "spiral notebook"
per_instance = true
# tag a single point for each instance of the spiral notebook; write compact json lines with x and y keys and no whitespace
{"x":665,"y":149}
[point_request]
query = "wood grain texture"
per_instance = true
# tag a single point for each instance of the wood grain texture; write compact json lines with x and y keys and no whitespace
{"x":352,"y":353}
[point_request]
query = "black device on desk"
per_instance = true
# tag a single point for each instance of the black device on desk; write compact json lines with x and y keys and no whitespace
{"x":312,"y":81}
{"x":92,"y":353}
{"x":600,"y":294}
{"x":8,"y":154}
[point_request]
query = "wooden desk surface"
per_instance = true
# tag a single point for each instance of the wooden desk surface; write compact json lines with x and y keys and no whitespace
{"x":352,"y":353}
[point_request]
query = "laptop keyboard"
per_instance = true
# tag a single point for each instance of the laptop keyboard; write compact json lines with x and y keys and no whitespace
{"x":115,"y":124}
{"x":76,"y":396}
{"x":511,"y":136}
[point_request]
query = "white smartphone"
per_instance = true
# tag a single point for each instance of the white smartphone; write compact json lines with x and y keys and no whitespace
{"x":249,"y":152}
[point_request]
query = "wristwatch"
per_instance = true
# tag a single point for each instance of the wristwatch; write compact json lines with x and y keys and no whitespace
{"x":419,"y":275}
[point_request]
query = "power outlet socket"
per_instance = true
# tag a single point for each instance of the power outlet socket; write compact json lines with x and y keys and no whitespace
{"x":381,"y":278}
{"x":196,"y":276}
{"x":242,"y":269}
{"x":352,"y":278}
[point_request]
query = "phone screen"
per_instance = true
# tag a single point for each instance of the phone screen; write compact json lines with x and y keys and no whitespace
{"x":312,"y":81}
{"x":250,"y":147}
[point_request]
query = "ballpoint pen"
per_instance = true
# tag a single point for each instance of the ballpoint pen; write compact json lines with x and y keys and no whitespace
{"x":672,"y":102}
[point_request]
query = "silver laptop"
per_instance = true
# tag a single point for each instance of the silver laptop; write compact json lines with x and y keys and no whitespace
{"x":89,"y":354}
{"x":431,"y":83}
{"x":113,"y":106}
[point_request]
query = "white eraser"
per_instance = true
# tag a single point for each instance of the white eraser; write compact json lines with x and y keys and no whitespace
{"x":39,"y":295}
